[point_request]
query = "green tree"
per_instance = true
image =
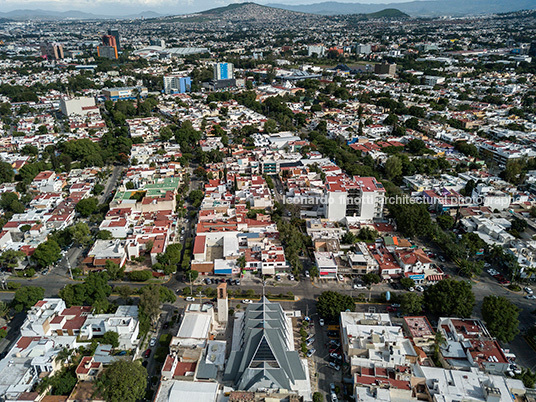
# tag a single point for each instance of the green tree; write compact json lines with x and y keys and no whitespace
{"x":330,"y":304}
{"x":450,"y":298}
{"x":407,"y":283}
{"x":393,"y":167}
{"x":445,"y":221}
{"x":4,"y":309}
{"x":111,"y":338}
{"x":26,"y":297}
{"x":371,"y":278}
{"x":501,"y":317}
{"x":318,"y":397}
{"x":6,"y":173}
{"x":416,"y":146}
{"x":411,"y":219}
{"x":80,"y":234}
{"x":124,"y":291}
{"x":87,"y":206}
{"x":10,"y":259}
{"x":123,"y":381}
{"x":114,"y":270}
{"x":46,"y":253}
{"x":140,"y":276}
{"x":104,"y":235}
{"x":411,"y":303}
{"x":150,"y":303}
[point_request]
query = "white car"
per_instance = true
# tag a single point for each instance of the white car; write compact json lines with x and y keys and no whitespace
{"x":419,"y":288}
{"x":528,"y":290}
{"x":291,"y":277}
{"x":190,"y":299}
{"x":341,"y":278}
{"x":321,"y":322}
{"x":152,"y":342}
{"x":412,"y":289}
{"x":334,"y":397}
{"x":247,"y":301}
{"x":530,"y":296}
{"x":311,"y":352}
{"x":307,"y":275}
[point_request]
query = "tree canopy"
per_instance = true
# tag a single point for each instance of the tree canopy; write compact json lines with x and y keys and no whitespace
{"x":46,"y":253}
{"x":450,"y":298}
{"x":330,"y":304}
{"x":26,"y":297}
{"x":123,"y":381}
{"x":501,"y":317}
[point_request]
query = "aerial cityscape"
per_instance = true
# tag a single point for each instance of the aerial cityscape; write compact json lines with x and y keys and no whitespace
{"x":268,"y":202}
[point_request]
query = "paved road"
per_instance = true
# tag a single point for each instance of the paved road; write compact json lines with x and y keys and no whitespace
{"x":111,"y":183}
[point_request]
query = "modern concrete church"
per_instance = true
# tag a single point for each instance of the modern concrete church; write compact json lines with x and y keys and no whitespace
{"x":262,"y":355}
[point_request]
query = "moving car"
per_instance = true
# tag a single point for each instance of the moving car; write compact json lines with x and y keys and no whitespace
{"x":152,"y":342}
{"x":321,"y":322}
{"x":147,"y":353}
{"x":307,"y":275}
{"x":247,"y":301}
{"x":190,"y":299}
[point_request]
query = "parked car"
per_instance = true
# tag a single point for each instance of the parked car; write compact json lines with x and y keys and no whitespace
{"x":391,"y":309}
{"x":419,"y":288}
{"x":291,"y":277}
{"x":147,"y":353}
{"x":334,"y":366}
{"x":278,"y":277}
{"x":341,"y":278}
{"x":190,"y":299}
{"x":307,"y":275}
{"x":531,"y":296}
{"x":321,"y":322}
{"x":152,"y":342}
{"x":237,"y":282}
{"x":333,"y":396}
{"x":333,"y":334}
{"x":528,"y":290}
{"x":395,"y":305}
{"x":310,"y":341}
{"x":122,"y":353}
{"x":247,"y":301}
{"x":311,"y":352}
{"x":411,"y":289}
{"x":335,"y":356}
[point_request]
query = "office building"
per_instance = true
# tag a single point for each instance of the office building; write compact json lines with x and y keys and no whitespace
{"x":223,"y":71}
{"x":108,"y":49}
{"x":52,"y":51}
{"x":262,"y":354}
{"x":115,"y":34}
{"x":175,"y":84}
{"x":385,"y":68}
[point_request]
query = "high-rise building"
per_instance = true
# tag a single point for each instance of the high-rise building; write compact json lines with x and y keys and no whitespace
{"x":223,"y":71}
{"x":52,"y":51}
{"x":115,"y":34}
{"x":319,"y":50}
{"x":108,"y":49}
{"x":175,"y":84}
{"x":385,"y":68}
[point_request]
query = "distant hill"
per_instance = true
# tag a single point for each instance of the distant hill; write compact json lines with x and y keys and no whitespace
{"x":426,"y":8}
{"x":71,"y":14}
{"x":391,"y":13}
{"x":244,"y":12}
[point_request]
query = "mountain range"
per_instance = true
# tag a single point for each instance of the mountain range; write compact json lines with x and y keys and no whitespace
{"x":20,"y":15}
{"x":424,"y":8}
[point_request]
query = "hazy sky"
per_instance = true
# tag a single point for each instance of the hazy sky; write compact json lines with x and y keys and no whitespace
{"x":124,"y":7}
